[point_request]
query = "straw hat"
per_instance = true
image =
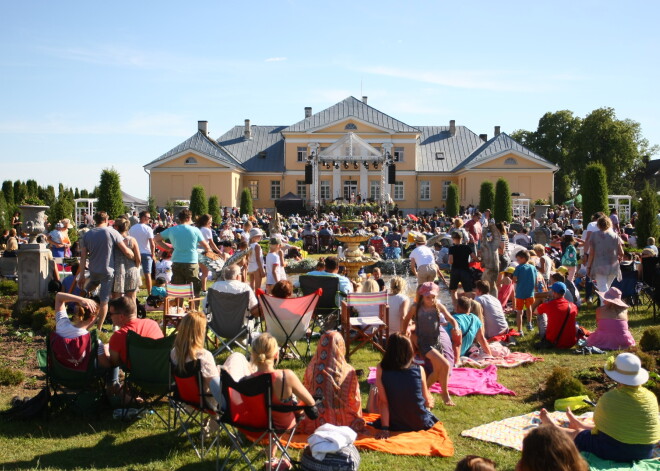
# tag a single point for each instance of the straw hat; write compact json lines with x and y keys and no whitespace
{"x":626,"y":369}
{"x":612,"y":295}
{"x":255,"y":232}
{"x":563,"y":270}
{"x":509,"y":270}
{"x":420,"y":239}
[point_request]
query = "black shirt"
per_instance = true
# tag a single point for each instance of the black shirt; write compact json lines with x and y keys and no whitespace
{"x":461,"y":256}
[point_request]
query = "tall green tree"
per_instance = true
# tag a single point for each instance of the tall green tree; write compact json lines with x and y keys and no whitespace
{"x":151,"y":207}
{"x":20,"y":192}
{"x":47,"y":195}
{"x":563,"y":188}
{"x":246,"y":202}
{"x":214,"y":208}
{"x":647,"y":225}
{"x":594,"y":190}
{"x":4,"y":213}
{"x":198,"y":203}
{"x":503,"y":210}
{"x":486,"y":196}
{"x":8,"y":191}
{"x":32,"y":188}
{"x":84,"y":193}
{"x":109,"y":196}
{"x":63,"y":208}
{"x":453,"y":203}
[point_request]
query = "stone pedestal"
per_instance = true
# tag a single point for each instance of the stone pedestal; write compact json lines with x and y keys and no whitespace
{"x":34,"y":272}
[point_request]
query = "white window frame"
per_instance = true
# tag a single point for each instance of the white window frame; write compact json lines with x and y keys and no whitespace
{"x":324,"y":191}
{"x":191,"y":161}
{"x":302,"y":153}
{"x":398,"y":154}
{"x":253,"y":185}
{"x":424,"y":190}
{"x":374,"y":190}
{"x":275,"y":189}
{"x":445,"y":189}
{"x":351,"y":186}
{"x":301,"y":189}
{"x":398,"y":191}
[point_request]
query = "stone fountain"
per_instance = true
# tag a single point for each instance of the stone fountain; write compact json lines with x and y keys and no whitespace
{"x":354,"y":259}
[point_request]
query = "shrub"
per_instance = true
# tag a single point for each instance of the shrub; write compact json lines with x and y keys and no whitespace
{"x":23,"y":312}
{"x":40,"y":318}
{"x":9,"y":377}
{"x":503,"y":211}
{"x":8,"y":288}
{"x":486,"y":196}
{"x":453,"y":202}
{"x":646,"y":225}
{"x":109,"y":196}
{"x":561,"y":383}
{"x":650,"y":341}
{"x":246,"y":202}
{"x":198,"y":203}
{"x":594,"y":190}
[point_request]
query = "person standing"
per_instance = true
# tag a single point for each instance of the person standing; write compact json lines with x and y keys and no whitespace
{"x":184,"y":238}
{"x":97,"y":246}
{"x":605,"y":251}
{"x":459,"y":261}
{"x":474,"y":228}
{"x":422,"y":261}
{"x":144,"y":236}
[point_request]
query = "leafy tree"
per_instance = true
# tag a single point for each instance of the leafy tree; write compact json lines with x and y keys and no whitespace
{"x":594,"y":190}
{"x":246,"y":202}
{"x":646,"y":225}
{"x":151,"y":207}
{"x":486,"y":196}
{"x":63,"y":208}
{"x":20,"y":192}
{"x":8,"y":192}
{"x":453,"y":202}
{"x":32,"y":188}
{"x":110,"y":198}
{"x":503,"y":210}
{"x":198,"y":204}
{"x":214,"y":208}
{"x":4,"y":213}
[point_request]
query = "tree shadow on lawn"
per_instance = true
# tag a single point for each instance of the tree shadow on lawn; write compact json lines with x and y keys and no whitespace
{"x":106,"y":453}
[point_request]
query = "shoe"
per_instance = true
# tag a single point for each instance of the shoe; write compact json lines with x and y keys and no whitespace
{"x":530,"y":326}
{"x":522,"y":334}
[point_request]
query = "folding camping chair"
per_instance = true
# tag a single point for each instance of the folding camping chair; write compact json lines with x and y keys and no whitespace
{"x":311,"y":243}
{"x":192,"y":406}
{"x":325,"y":242}
{"x":628,"y":288}
{"x":326,"y":314}
{"x":229,"y":320}
{"x":72,"y":374}
{"x":369,"y":329}
{"x":249,"y":408}
{"x":173,"y":310}
{"x":288,"y":319}
{"x":148,"y":371}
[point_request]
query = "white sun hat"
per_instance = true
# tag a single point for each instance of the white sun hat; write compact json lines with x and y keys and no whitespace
{"x":626,"y":369}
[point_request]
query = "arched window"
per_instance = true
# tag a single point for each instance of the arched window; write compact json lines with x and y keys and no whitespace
{"x":510,"y":161}
{"x":191,"y":161}
{"x":350,"y":127}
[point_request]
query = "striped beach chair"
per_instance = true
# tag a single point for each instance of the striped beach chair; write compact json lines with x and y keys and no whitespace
{"x":174,"y":308}
{"x":371,"y":324}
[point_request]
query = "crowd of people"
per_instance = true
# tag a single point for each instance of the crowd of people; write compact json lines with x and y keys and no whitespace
{"x":540,"y":269}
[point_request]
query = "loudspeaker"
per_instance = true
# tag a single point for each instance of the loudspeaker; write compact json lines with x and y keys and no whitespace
{"x":309,"y":177}
{"x":391,"y":174}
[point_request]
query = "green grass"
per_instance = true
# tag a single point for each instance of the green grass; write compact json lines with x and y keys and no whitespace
{"x":68,"y":442}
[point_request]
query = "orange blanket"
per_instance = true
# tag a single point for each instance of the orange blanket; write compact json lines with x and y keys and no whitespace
{"x":431,"y":442}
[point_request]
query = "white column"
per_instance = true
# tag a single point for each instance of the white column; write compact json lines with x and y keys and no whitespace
{"x":385,"y":188}
{"x":363,"y":185}
{"x":336,"y":182}
{"x":314,"y":187}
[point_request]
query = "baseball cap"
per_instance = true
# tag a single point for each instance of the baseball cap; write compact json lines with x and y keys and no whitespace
{"x":558,"y":287}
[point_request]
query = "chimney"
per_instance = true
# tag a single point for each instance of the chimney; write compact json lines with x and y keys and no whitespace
{"x":364,"y":99}
{"x":203,"y":127}
{"x":483,"y":137}
{"x":497,"y":131}
{"x":247,"y":134}
{"x":452,"y":127}
{"x":308,"y":111}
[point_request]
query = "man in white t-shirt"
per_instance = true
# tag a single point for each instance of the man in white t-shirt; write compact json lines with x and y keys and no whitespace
{"x":232,"y":285}
{"x":144,"y":236}
{"x":422,"y":261}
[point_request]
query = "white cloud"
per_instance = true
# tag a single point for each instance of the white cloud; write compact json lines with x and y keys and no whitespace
{"x":276,"y":59}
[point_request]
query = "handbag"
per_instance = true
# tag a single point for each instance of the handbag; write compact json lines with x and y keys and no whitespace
{"x":346,"y":459}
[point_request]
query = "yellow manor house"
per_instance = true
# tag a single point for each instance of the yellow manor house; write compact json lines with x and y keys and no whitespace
{"x":348,"y":151}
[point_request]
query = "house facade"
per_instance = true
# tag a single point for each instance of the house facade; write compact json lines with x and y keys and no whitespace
{"x":346,"y":149}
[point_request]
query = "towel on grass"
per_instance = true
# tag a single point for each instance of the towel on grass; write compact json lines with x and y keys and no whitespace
{"x":466,"y":381}
{"x":510,"y":360}
{"x":431,"y":442}
{"x":597,"y":464}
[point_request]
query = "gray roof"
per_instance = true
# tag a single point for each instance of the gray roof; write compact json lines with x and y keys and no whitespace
{"x":266,"y":139}
{"x":350,"y":107}
{"x":497,"y":145}
{"x":455,"y":148}
{"x":203,"y":145}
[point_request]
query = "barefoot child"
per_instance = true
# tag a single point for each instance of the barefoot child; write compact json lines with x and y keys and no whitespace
{"x":524,"y":276}
{"x":274,"y":263}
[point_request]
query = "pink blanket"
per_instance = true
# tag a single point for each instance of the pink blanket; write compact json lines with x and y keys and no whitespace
{"x":466,"y":381}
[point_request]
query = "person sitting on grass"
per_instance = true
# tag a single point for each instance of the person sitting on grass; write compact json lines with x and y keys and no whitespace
{"x":556,"y":319}
{"x":399,"y":303}
{"x":493,"y":315}
{"x":403,"y":396}
{"x":431,"y":340}
{"x":611,"y":323}
{"x":524,"y":276}
{"x":626,"y":425}
{"x":548,"y":448}
{"x":471,"y":329}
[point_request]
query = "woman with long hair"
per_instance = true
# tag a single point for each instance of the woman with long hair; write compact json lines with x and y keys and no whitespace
{"x":256,"y":269}
{"x":402,"y":384}
{"x":399,"y":303}
{"x":605,"y":250}
{"x":127,"y":271}
{"x":431,"y":339}
{"x":204,"y":223}
{"x":330,"y":376}
{"x":547,"y":448}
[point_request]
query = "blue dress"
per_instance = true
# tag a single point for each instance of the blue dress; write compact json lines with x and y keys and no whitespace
{"x":406,"y":401}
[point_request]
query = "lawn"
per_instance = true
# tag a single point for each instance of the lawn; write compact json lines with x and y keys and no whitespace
{"x":69,"y":442}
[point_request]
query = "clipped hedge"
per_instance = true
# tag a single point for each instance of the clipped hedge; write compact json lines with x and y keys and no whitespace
{"x":8,"y":288}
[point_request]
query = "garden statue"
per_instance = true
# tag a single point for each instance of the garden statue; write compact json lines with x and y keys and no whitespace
{"x":490,"y":260}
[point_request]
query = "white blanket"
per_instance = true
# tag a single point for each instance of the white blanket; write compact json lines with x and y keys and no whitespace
{"x":330,"y":438}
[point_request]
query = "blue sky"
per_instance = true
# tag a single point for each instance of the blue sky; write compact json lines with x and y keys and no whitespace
{"x":89,"y":85}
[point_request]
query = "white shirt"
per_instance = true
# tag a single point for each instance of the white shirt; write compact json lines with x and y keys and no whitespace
{"x":422,"y":255}
{"x":65,"y":329}
{"x":164,"y":269}
{"x":142,"y":233}
{"x":207,"y":233}
{"x":272,"y":259}
{"x":494,"y":318}
{"x":235,"y":287}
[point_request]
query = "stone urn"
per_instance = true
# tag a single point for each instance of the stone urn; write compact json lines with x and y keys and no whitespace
{"x":34,"y":220}
{"x":177,"y":210}
{"x":541,"y":211}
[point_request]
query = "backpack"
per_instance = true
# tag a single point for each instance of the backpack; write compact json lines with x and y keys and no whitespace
{"x":346,"y":459}
{"x":28,"y":408}
{"x":569,"y":259}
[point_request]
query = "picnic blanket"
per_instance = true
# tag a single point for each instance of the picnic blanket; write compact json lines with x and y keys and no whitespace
{"x":431,"y":442}
{"x":466,"y":381}
{"x":597,"y":464}
{"x":511,"y":431}
{"x":511,"y":360}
